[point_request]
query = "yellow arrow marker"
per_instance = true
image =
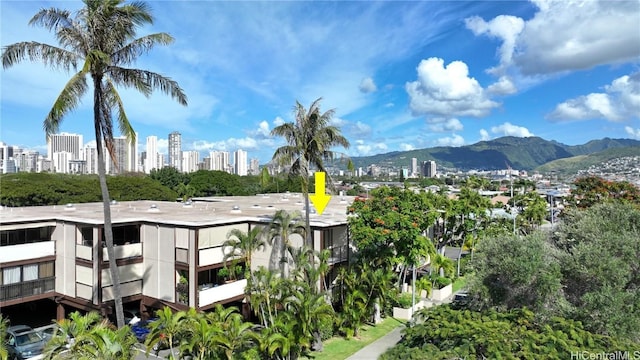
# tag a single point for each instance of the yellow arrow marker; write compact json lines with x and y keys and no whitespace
{"x":320,"y":199}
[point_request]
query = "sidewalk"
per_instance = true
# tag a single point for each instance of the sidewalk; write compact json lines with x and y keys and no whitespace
{"x":376,"y":348}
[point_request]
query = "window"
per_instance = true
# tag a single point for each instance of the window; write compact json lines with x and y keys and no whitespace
{"x":46,"y":270}
{"x":11,"y":275}
{"x":25,"y":236}
{"x":87,"y":236}
{"x":125,"y":234}
{"x":30,"y":272}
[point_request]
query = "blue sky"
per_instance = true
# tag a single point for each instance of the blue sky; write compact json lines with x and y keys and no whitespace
{"x":400,"y":75}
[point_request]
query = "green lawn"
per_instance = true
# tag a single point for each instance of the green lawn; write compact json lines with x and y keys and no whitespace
{"x":339,"y":348}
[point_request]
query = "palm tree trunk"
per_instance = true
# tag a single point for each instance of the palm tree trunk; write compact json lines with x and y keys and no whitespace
{"x":106,"y":203}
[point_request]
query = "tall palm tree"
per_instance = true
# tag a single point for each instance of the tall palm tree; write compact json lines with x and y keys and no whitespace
{"x":99,"y":40}
{"x":284,"y":225}
{"x":309,"y":142}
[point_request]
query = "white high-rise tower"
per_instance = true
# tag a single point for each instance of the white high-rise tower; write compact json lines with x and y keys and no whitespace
{"x":151,"y":162}
{"x":240,"y":162}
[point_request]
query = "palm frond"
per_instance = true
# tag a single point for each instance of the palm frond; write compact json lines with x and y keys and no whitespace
{"x":38,"y":52}
{"x":52,"y":19}
{"x":67,"y":100}
{"x":113,"y":98}
{"x":130,"y":52}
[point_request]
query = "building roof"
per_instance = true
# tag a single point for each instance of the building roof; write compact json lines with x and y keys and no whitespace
{"x":200,"y":212}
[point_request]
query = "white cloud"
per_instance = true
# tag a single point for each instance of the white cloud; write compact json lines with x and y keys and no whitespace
{"x":504,"y":86}
{"x":484,"y":135}
{"x":620,"y":101}
{"x":444,"y":124}
{"x":363,"y":148}
{"x":278,"y":121}
{"x":406,"y":147}
{"x":508,"y":129}
{"x":262,"y":131}
{"x":357,"y":130}
{"x":634,"y":133}
{"x":447,"y":91}
{"x":504,"y":27}
{"x":565,"y":36}
{"x":367,"y":85}
{"x":453,"y":140}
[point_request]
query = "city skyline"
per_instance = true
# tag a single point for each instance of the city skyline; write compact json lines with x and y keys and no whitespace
{"x":401,"y":75}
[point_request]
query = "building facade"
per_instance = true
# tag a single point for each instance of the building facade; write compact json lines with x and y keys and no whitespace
{"x":65,"y":142}
{"x":175,"y":150}
{"x":240,"y":162}
{"x":57,"y":253}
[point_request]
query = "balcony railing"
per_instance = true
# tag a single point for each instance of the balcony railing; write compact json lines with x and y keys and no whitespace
{"x":221,"y":292}
{"x":27,"y":288}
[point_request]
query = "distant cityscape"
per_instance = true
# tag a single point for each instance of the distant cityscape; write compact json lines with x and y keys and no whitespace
{"x":67,"y":154}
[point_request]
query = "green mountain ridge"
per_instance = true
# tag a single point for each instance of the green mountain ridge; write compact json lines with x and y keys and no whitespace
{"x":519,"y":153}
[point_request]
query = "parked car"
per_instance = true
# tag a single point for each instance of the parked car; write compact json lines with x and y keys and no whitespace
{"x":47,"y":332}
{"x":460,"y":300}
{"x":24,"y":343}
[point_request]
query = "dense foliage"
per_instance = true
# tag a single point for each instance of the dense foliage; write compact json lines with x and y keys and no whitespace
{"x":32,"y":189}
{"x":444,"y":333}
{"x":587,"y":270}
{"x":593,"y":190}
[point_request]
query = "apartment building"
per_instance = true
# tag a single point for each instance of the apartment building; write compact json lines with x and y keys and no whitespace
{"x":168,"y":254}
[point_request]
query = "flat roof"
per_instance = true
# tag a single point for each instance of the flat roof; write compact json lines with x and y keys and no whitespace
{"x":203,"y":211}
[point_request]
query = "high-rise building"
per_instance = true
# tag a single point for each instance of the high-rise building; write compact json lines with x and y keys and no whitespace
{"x":126,"y":156}
{"x":175,"y":150}
{"x":414,"y":168}
{"x":91,"y":159}
{"x":64,"y":142}
{"x":61,"y":160}
{"x":219,"y":160}
{"x":429,"y":168}
{"x":254,"y":167}
{"x":151,"y":161}
{"x":240,"y":162}
{"x":190,"y":161}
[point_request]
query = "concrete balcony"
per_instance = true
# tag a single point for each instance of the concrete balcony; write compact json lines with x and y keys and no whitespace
{"x":27,"y":251}
{"x":221,"y":292}
{"x":124,"y":251}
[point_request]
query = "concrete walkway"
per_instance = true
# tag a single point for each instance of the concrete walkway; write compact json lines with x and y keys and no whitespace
{"x":376,"y":348}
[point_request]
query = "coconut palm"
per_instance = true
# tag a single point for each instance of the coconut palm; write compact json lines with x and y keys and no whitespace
{"x":98,"y":43}
{"x":309,"y":142}
{"x":282,"y":227}
{"x":242,"y":245}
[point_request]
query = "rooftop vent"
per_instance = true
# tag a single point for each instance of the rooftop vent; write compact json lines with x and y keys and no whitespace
{"x":114,"y":202}
{"x":187,"y":203}
{"x":153,"y":208}
{"x":70,"y":207}
{"x":255,"y":206}
{"x":235,"y":209}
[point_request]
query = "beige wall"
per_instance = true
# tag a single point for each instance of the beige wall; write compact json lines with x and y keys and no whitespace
{"x":159,"y":244}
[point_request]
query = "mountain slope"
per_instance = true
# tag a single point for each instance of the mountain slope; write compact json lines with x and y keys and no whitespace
{"x":519,"y":153}
{"x":573,"y":164}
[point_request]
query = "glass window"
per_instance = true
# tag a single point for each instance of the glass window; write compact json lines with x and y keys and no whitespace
{"x":11,"y":275}
{"x":30,"y":272}
{"x":87,"y":236}
{"x":47,"y":270}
